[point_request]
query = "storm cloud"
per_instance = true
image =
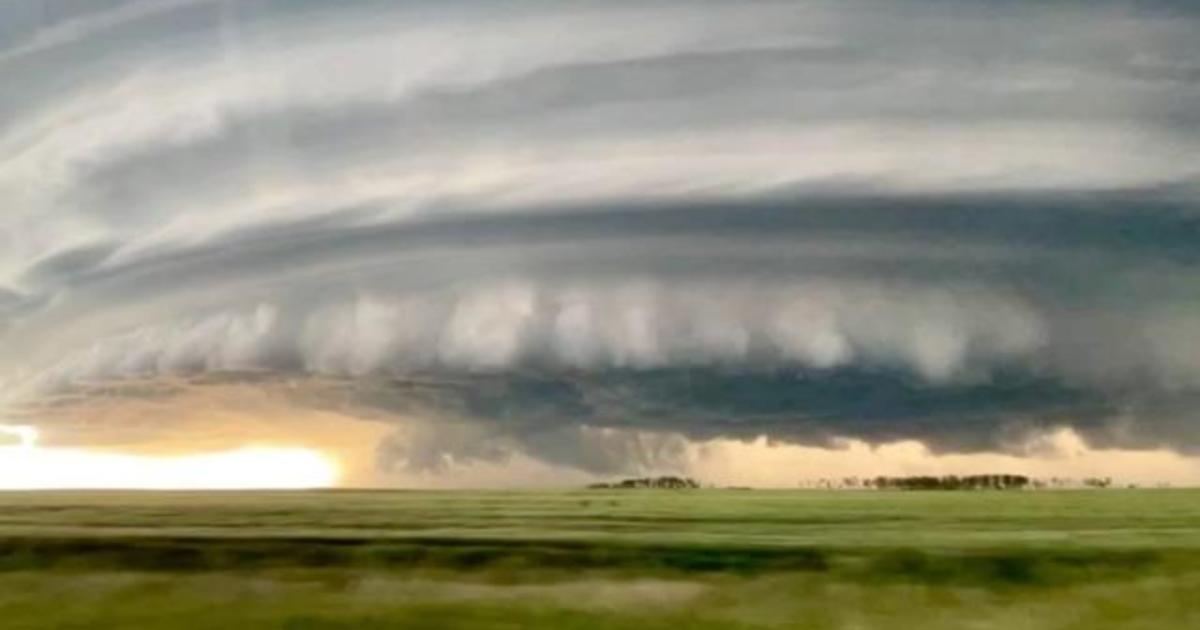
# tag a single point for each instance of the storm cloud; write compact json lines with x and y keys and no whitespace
{"x":593,"y":232}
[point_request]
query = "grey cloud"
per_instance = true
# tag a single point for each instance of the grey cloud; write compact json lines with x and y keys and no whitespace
{"x":1078,"y":238}
{"x":881,"y":65}
{"x":519,"y":368}
{"x":519,"y":227}
{"x":799,"y":87}
{"x":1049,"y":255}
{"x":64,"y":265}
{"x":631,"y":421}
{"x":9,"y":298}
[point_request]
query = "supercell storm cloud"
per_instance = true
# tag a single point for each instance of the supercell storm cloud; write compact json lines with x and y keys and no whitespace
{"x":590,"y":232}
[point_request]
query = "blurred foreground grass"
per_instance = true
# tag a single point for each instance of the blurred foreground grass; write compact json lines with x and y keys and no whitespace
{"x":601,"y":559}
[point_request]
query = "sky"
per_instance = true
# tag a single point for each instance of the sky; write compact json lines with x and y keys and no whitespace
{"x":515,"y":243}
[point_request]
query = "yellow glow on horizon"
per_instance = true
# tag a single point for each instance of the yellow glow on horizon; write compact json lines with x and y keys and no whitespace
{"x":26,"y":466}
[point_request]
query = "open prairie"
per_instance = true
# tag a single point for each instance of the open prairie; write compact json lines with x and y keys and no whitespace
{"x":602,"y":559}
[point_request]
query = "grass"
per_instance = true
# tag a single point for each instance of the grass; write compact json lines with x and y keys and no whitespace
{"x":602,"y":559}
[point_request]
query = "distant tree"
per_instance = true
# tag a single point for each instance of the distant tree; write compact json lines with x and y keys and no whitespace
{"x":666,"y":483}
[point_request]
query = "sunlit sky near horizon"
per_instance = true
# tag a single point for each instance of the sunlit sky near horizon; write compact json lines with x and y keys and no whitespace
{"x":293,"y":243}
{"x":28,"y":466}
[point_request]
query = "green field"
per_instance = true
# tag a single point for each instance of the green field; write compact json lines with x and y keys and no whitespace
{"x":602,"y":559}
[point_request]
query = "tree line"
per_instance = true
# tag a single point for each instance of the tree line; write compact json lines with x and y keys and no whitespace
{"x":668,"y":482}
{"x":952,"y":482}
{"x":915,"y":482}
{"x":958,"y":482}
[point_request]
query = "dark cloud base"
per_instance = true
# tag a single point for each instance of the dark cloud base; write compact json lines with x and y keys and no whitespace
{"x":547,"y":413}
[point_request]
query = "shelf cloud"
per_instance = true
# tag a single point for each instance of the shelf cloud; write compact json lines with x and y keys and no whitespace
{"x":598,"y":235}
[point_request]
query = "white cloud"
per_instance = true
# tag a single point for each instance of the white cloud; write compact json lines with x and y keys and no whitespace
{"x":938,"y":334}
